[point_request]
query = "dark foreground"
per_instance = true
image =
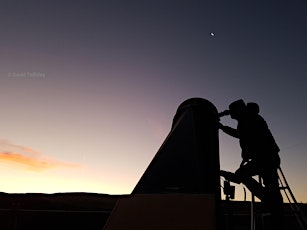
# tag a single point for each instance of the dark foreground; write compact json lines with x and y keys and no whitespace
{"x":89,"y":211}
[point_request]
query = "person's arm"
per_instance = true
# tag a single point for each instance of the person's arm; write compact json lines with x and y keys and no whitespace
{"x":230,"y":131}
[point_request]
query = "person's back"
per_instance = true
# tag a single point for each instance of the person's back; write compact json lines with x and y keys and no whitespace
{"x":265,"y":147}
{"x":256,"y":138}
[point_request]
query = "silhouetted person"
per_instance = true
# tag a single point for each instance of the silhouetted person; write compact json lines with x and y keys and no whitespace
{"x":259,"y":154}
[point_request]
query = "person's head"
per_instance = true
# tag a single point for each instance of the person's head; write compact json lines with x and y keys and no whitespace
{"x":237,"y":109}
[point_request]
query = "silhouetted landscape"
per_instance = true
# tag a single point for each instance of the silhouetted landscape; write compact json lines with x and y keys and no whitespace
{"x":55,"y":211}
{"x":90,"y":211}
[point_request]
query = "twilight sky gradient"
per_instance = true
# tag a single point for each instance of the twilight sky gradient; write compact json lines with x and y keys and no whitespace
{"x":89,"y":88}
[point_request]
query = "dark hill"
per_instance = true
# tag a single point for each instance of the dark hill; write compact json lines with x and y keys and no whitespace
{"x":90,"y":211}
{"x":62,"y":201}
{"x":55,"y":211}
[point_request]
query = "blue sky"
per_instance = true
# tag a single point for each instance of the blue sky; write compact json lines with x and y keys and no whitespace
{"x":89,"y":88}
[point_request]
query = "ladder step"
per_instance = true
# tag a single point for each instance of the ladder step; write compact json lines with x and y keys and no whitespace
{"x":283,"y":188}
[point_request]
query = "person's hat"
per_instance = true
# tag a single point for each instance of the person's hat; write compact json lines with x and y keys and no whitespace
{"x":239,"y":104}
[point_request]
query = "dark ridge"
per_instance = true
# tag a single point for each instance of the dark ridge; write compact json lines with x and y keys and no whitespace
{"x":58,"y":201}
{"x":91,"y":211}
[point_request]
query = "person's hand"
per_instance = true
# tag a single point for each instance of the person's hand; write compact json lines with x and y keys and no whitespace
{"x":224,"y":113}
{"x":245,"y":156}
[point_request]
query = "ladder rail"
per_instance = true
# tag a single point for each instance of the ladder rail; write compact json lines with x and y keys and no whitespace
{"x":283,"y":186}
{"x":293,"y":204}
{"x":283,"y":179}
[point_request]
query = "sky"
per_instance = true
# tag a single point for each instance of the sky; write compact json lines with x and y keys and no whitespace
{"x":89,"y":88}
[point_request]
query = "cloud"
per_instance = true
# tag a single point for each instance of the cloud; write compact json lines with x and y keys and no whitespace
{"x":29,"y":158}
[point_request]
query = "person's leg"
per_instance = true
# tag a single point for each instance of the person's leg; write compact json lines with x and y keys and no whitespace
{"x":245,"y":174}
{"x":270,"y":181}
{"x":273,"y":200}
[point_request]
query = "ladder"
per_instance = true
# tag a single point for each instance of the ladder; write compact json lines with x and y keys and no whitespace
{"x":284,"y":186}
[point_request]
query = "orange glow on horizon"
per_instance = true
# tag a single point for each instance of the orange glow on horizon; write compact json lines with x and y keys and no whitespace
{"x":33,"y":163}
